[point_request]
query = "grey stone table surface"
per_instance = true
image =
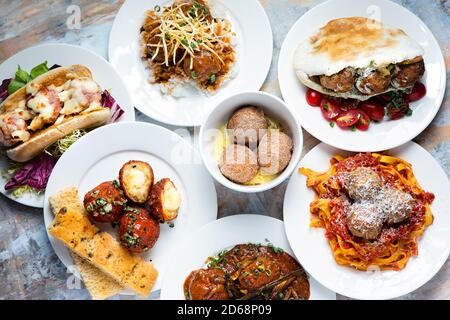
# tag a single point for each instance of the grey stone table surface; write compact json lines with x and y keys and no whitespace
{"x":29,"y":268}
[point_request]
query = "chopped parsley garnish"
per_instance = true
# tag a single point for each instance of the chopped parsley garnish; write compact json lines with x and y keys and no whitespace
{"x":212,"y":78}
{"x":157,"y":8}
{"x":331,"y":124}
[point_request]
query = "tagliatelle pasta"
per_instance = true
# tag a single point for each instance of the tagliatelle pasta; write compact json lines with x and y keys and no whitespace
{"x":396,"y":243}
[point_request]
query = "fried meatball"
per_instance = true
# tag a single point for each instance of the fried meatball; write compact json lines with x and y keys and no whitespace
{"x":205,"y":67}
{"x":407,"y":74}
{"x":138,"y":231}
{"x":364,"y":220}
{"x":274,"y":152}
{"x":373,"y":83}
{"x":105,"y":203}
{"x":342,"y":81}
{"x":247,"y":126}
{"x":239,"y":164}
{"x":164,"y":200}
{"x":362,"y":183}
{"x":395,"y":204}
{"x":206,"y":284}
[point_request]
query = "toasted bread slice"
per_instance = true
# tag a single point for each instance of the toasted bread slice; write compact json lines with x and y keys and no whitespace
{"x":136,"y":179}
{"x":98,"y":283}
{"x":75,"y":230}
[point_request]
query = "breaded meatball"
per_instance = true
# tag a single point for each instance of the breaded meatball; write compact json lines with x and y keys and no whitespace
{"x":138,"y":231}
{"x":164,"y":200}
{"x":362,"y":183}
{"x":205,"y":67}
{"x":407,"y":74}
{"x":105,"y":202}
{"x":206,"y":284}
{"x":274,"y":152}
{"x":373,"y":83}
{"x":247,"y":125}
{"x":342,"y":81}
{"x":395,"y":204}
{"x":364,"y":220}
{"x":239,"y":164}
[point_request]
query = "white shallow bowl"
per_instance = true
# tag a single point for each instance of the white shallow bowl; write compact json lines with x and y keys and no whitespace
{"x":188,"y":107}
{"x":223,"y":234}
{"x":317,"y":258}
{"x":386,"y":134}
{"x":98,"y":157}
{"x":65,"y":55}
{"x":273,"y":107}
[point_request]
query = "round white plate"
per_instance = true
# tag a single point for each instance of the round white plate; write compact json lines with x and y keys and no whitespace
{"x":65,"y":55}
{"x":224,"y":234}
{"x":318,"y":260}
{"x":380,"y":136}
{"x":99,"y":156}
{"x":254,"y":49}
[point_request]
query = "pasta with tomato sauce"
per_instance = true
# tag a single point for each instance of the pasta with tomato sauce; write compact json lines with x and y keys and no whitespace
{"x":374,"y":221}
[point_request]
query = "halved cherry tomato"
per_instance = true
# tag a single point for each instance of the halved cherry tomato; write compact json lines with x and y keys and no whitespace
{"x":363,"y":121}
{"x":373,"y":109}
{"x":313,"y":97}
{"x":330,"y":108}
{"x":418,"y":92}
{"x":348,"y":119}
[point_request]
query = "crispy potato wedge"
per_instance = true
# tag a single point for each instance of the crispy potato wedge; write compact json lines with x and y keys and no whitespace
{"x":165,"y":200}
{"x":136,"y":179}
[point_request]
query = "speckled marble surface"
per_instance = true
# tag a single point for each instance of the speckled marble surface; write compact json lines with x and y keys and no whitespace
{"x":29,"y":269}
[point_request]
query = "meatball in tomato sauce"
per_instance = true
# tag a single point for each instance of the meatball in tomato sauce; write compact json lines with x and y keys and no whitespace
{"x":105,"y":203}
{"x":138,"y":231}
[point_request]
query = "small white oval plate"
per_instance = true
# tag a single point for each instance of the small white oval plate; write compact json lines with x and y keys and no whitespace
{"x":64,"y":55}
{"x":98,"y":157}
{"x":380,"y":136}
{"x":254,"y":48}
{"x":224,"y":234}
{"x":318,"y":260}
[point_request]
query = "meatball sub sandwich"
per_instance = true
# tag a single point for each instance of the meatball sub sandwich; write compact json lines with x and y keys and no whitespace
{"x":48,"y":108}
{"x":358,"y":58}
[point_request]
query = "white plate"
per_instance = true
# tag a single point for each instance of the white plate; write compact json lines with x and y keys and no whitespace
{"x":99,"y":156}
{"x":318,"y":260}
{"x":65,"y":55}
{"x":379,"y":136}
{"x":254,"y":48}
{"x":224,"y":234}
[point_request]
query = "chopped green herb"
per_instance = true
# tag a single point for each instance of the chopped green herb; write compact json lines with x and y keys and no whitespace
{"x":171,"y":225}
{"x":116,"y":184}
{"x":280,"y":295}
{"x":157,"y":8}
{"x":100,"y":201}
{"x":409,"y":113}
{"x":353,"y":128}
{"x":331,"y":124}
{"x":194,"y":75}
{"x":184,"y":42}
{"x":212,"y":78}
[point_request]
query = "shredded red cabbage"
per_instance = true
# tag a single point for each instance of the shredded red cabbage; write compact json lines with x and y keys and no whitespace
{"x":4,"y":89}
{"x":109,"y":102}
{"x":34,"y":174}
